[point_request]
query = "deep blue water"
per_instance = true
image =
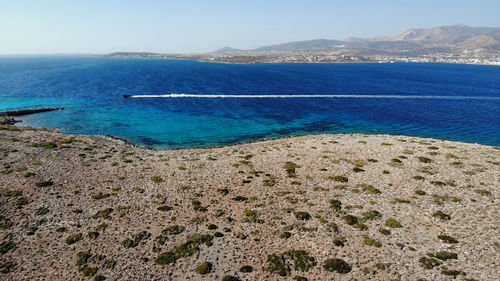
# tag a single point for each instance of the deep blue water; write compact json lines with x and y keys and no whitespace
{"x":91,"y":89}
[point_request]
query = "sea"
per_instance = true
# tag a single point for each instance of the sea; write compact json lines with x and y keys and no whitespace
{"x":183,"y":104}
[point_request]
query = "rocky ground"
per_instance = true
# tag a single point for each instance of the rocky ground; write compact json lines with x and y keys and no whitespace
{"x":321,"y":207}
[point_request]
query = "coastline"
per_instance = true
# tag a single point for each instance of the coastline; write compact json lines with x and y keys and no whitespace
{"x":75,"y":206}
{"x":205,"y":60}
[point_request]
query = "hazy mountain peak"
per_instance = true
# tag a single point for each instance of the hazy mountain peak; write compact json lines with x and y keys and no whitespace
{"x":226,"y":50}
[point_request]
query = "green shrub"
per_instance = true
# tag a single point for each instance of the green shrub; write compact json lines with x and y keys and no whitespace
{"x":447,"y":239}
{"x":400,"y":200}
{"x":45,"y":183}
{"x":339,"y":241}
{"x":424,"y":159}
{"x":104,"y":214}
{"x":72,"y":239}
{"x":452,"y":272}
{"x":441,"y":215}
{"x":290,"y":169}
{"x":350,"y":219}
{"x":384,"y":231}
{"x":302,"y":215}
{"x":420,"y":192}
{"x":370,"y":215}
{"x":339,"y":178}
{"x":6,"y":246}
{"x":166,"y":258}
{"x":338,"y":265}
{"x":204,"y":268}
{"x":335,"y":205}
{"x":82,"y":257}
{"x":444,"y":255}
{"x":100,"y":195}
{"x":173,"y":230}
{"x":429,"y":263}
{"x":89,"y":271}
{"x":246,"y":269}
{"x":99,"y":278}
{"x":156,"y":179}
{"x":42,"y":211}
{"x":285,"y":235}
{"x":93,"y":235}
{"x":392,"y":223}
{"x":371,"y":242}
{"x":251,"y":216}
{"x":368,"y":188}
{"x":164,"y":208}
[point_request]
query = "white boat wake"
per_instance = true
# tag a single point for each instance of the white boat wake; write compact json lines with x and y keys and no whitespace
{"x":316,"y":96}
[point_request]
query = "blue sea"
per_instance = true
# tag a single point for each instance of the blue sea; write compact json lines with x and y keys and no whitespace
{"x":461,"y":102}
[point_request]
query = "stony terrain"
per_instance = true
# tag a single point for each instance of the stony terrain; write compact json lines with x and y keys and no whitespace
{"x":321,"y":207}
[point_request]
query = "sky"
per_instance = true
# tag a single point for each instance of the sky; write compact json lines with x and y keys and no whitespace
{"x":183,"y":26}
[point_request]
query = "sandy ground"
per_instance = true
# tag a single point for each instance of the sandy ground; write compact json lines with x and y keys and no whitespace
{"x":321,"y":207}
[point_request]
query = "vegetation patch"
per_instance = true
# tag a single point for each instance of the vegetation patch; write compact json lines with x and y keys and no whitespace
{"x":350,"y":219}
{"x":290,"y":169}
{"x":444,"y":255}
{"x":279,"y":263}
{"x":21,"y":202}
{"x":428,"y":262}
{"x":103,"y":214}
{"x":188,"y":248}
{"x":371,"y":242}
{"x":72,"y":239}
{"x":370,"y":215}
{"x":240,"y":198}
{"x":335,"y":205}
{"x":164,"y":208}
{"x":6,"y":266}
{"x":483,"y":192}
{"x":447,"y":239}
{"x":339,"y":241}
{"x":452,"y":272}
{"x":251,"y":216}
{"x":100,"y":195}
{"x":136,"y":239}
{"x":424,"y":159}
{"x":41,"y":211}
{"x":368,"y":188}
{"x":302,"y":216}
{"x":441,"y":215}
{"x":400,"y":200}
{"x":6,"y":246}
{"x":338,"y":265}
{"x":339,"y":178}
{"x":173,"y":230}
{"x":204,"y":268}
{"x":45,"y":183}
{"x":393,"y":223}
{"x":246,"y":269}
{"x":420,"y":192}
{"x":156,"y":179}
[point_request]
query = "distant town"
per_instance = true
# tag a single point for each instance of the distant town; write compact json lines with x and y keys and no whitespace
{"x":448,"y":44}
{"x":320,"y":57}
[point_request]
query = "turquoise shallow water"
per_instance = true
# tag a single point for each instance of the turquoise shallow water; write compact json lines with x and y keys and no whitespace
{"x":464,"y":103}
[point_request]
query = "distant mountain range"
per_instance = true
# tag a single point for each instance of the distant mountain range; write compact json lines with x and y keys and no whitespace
{"x":411,"y":42}
{"x":453,"y":44}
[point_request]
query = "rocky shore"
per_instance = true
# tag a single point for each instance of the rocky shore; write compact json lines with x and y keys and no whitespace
{"x":321,"y":207}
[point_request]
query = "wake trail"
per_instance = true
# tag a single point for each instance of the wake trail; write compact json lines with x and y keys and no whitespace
{"x":244,"y":96}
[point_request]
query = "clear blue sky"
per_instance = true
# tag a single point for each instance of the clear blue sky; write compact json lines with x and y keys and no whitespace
{"x":91,"y":26}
